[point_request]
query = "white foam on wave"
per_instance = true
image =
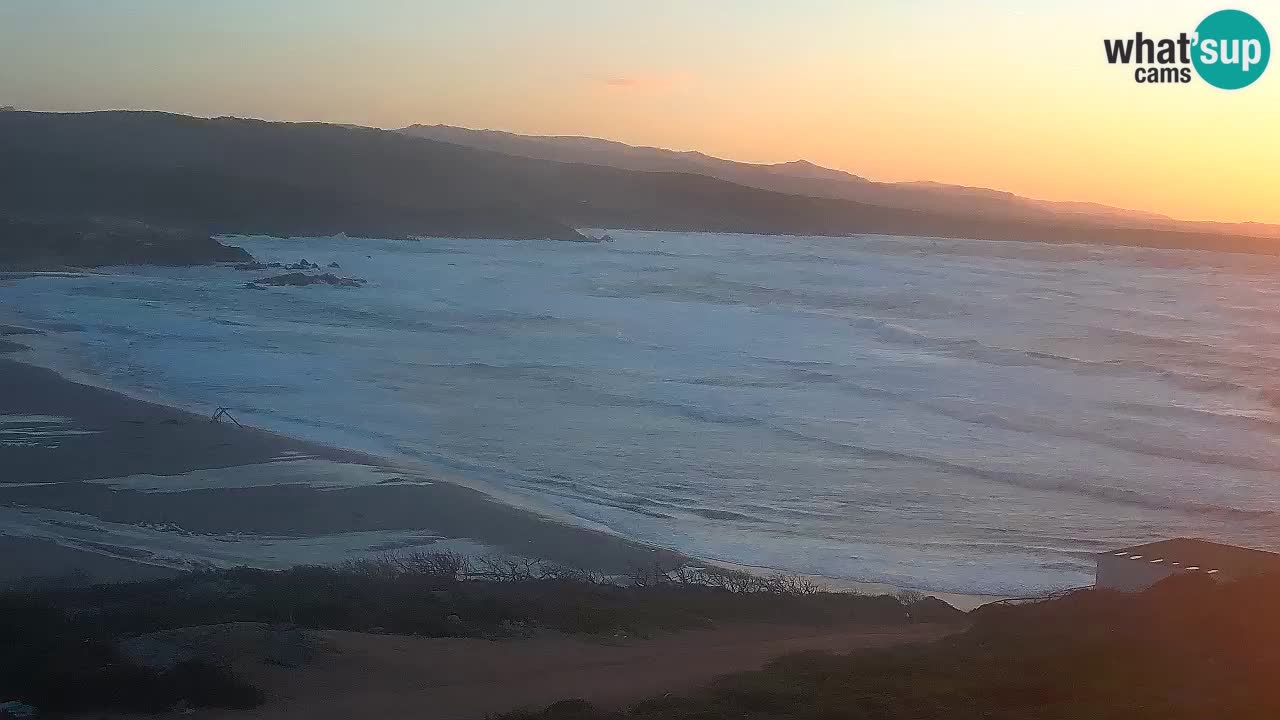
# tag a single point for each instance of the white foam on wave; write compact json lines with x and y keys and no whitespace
{"x":157,"y":545}
{"x":918,"y":411}
{"x":64,"y":353}
{"x":311,"y":472}
{"x":42,"y":431}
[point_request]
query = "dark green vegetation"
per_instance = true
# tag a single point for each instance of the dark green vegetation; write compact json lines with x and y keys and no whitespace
{"x":45,"y":243}
{"x":52,"y":638}
{"x":1186,"y":649}
{"x":66,"y":660}
{"x":228,"y":175}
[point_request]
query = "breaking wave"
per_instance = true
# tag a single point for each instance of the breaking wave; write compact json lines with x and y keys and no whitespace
{"x":941,"y":414}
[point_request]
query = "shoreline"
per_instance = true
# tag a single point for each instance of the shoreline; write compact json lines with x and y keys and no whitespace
{"x":444,"y":511}
{"x":37,"y":349}
{"x":81,"y":460}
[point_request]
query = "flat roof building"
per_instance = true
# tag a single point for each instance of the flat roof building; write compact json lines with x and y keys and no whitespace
{"x":1139,"y":567}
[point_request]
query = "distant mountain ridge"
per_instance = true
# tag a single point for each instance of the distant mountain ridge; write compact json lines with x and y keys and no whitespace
{"x":231,"y":175}
{"x":801,"y":177}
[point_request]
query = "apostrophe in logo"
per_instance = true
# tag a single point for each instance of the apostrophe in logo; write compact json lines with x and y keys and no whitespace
{"x":1229,"y":50}
{"x":1233,"y":49}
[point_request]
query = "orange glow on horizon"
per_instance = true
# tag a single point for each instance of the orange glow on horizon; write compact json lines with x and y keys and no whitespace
{"x":995,"y":93}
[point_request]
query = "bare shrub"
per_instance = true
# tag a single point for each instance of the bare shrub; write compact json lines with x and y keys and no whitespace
{"x":551,"y":571}
{"x":508,"y":569}
{"x":793,"y":585}
{"x":444,"y":565}
{"x":659,"y":573}
{"x":383,"y":565}
{"x":909,"y":597}
{"x":734,"y":581}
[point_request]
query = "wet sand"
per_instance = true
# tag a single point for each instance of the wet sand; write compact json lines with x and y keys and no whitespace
{"x":127,"y":436}
{"x":26,"y":561}
{"x":75,"y":458}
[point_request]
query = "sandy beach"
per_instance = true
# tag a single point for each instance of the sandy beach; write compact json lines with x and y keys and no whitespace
{"x":577,"y":361}
{"x":96,"y":485}
{"x":101,"y":487}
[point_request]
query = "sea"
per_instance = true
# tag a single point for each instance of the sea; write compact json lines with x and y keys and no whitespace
{"x":948,"y":415}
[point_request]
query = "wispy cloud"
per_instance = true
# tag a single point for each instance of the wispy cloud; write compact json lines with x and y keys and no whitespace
{"x":623,"y":82}
{"x":642,"y":82}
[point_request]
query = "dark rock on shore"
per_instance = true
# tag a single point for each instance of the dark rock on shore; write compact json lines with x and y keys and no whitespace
{"x":297,"y":279}
{"x":302,"y":264}
{"x":52,"y":243}
{"x":255,"y":265}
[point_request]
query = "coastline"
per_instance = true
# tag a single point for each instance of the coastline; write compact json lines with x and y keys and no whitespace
{"x":82,"y":461}
{"x":196,"y":487}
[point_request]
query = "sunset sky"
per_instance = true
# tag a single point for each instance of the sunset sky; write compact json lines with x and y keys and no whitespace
{"x":1008,"y":94}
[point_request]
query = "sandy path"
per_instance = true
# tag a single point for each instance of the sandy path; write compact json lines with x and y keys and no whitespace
{"x":392,"y":677}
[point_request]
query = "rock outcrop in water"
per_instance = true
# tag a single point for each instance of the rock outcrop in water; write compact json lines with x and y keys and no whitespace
{"x":302,"y":264}
{"x":53,"y":243}
{"x":298,"y":279}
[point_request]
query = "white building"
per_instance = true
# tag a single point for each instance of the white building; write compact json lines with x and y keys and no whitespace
{"x":1141,"y":566}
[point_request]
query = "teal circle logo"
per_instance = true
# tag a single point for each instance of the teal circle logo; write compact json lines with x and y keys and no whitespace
{"x":1232,"y":49}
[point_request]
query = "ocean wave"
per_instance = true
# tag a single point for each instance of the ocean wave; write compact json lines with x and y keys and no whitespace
{"x":1043,"y":425}
{"x":977,"y":351}
{"x":1251,"y":422}
{"x":1036,"y":482}
{"x":728,"y":381}
{"x":715,"y":514}
{"x":714,"y":288}
{"x":572,"y":382}
{"x":1271,"y":396}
